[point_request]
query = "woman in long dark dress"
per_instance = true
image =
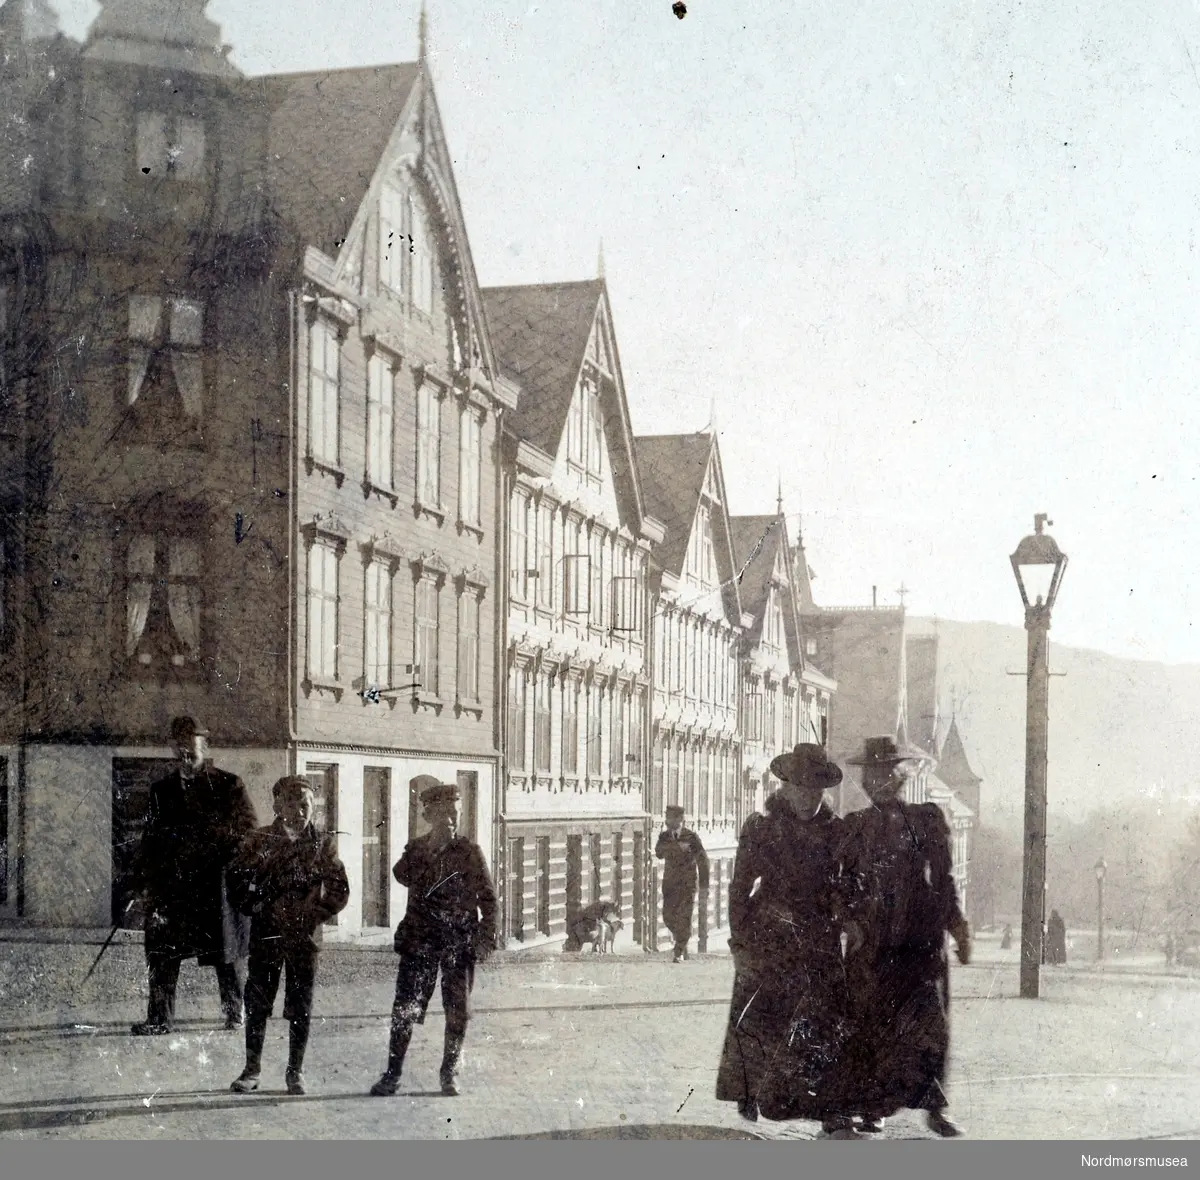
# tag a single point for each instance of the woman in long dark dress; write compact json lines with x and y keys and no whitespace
{"x":786,"y":1019}
{"x":898,"y":857}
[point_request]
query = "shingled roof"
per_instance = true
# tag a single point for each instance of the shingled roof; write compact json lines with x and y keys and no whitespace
{"x":673,"y":467}
{"x":756,"y":540}
{"x":953,"y":767}
{"x":539,"y":334}
{"x":327,"y":132}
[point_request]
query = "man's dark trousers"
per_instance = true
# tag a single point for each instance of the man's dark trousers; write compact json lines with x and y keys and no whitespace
{"x":164,"y":979}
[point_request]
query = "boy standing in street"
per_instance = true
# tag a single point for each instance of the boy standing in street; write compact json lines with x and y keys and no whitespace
{"x":289,"y":879}
{"x":449,"y":926}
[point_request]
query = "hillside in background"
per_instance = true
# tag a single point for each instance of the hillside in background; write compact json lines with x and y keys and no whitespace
{"x":1121,"y":731}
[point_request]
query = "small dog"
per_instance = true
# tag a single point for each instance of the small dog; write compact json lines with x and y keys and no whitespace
{"x":600,"y":932}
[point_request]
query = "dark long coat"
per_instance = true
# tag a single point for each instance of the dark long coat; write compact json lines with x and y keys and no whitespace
{"x":287,"y":887}
{"x":904,"y":899}
{"x":193,"y":830}
{"x":787,"y":1015}
{"x":686,"y":865}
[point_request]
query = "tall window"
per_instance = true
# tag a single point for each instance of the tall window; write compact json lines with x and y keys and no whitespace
{"x":163,"y":600}
{"x":635,"y":734}
{"x":169,"y":146}
{"x":541,"y":723}
{"x":773,"y":624}
{"x":429,"y":445}
{"x":518,"y":532}
{"x":544,"y":553}
{"x":570,"y":736}
{"x":468,"y":646}
{"x":789,"y":719}
{"x":470,"y":474}
{"x":595,"y":728}
{"x":377,"y":640}
{"x":424,"y":258}
{"x":393,"y":240}
{"x":616,"y":735}
{"x":585,"y":430}
{"x":165,"y":338}
{"x":705,"y":794}
{"x":427,"y":635}
{"x":381,"y":393}
{"x":324,"y":363}
{"x":322,"y":611}
{"x":671,"y":758}
{"x":596,"y":552}
{"x":701,"y":564}
{"x":656,"y":778}
{"x":516,"y":718}
{"x":771,"y":699}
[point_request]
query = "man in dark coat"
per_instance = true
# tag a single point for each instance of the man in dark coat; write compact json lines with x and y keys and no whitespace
{"x":289,"y":879}
{"x":449,"y":925}
{"x":686,"y":864}
{"x":197,"y":819}
{"x":897,"y":856}
{"x":787,"y":1016}
{"x":1056,"y":939}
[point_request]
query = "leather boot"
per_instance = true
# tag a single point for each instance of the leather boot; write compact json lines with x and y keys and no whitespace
{"x":397,"y":1048}
{"x":450,"y":1061}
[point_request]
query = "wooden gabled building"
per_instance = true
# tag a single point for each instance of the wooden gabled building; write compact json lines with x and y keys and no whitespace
{"x":696,"y":622}
{"x":576,"y":660}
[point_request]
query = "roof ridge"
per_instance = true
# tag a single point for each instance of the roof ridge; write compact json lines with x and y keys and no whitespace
{"x":323,"y":73}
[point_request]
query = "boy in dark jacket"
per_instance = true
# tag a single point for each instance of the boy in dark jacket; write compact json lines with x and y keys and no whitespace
{"x":289,"y":879}
{"x":449,"y":926}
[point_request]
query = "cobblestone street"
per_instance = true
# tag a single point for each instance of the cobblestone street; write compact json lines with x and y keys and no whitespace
{"x":575,"y":1046}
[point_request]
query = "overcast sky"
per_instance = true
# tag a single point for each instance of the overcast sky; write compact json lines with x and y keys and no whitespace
{"x":932,"y":265}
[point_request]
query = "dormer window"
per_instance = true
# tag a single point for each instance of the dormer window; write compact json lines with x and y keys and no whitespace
{"x":168,"y":145}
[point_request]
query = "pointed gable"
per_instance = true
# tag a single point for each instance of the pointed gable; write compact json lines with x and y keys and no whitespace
{"x":553,"y":339}
{"x":326,"y":135}
{"x":681,"y":477}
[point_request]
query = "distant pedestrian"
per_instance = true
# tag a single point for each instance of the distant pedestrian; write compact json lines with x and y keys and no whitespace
{"x":898,"y":856}
{"x":1169,"y":949}
{"x":197,"y":819}
{"x":289,"y":879}
{"x":1056,"y":939}
{"x":448,"y":927}
{"x":1006,"y":937}
{"x":685,"y":867}
{"x":787,"y":1018}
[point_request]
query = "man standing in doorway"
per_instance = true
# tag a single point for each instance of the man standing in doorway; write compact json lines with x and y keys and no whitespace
{"x":197,"y":819}
{"x":686,"y":865}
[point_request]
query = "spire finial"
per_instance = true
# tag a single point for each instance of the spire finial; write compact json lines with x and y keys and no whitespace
{"x":600,"y":261}
{"x":779,"y":498}
{"x":711,"y":428}
{"x":423,"y":34}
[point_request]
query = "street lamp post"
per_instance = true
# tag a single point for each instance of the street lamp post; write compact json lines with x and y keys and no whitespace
{"x":1101,"y":869}
{"x":1038,"y":564}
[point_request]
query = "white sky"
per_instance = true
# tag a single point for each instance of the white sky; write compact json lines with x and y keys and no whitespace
{"x":934,"y":264}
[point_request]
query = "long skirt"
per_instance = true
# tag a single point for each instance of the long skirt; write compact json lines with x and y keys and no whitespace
{"x":786,"y":1033}
{"x":896,"y":1057}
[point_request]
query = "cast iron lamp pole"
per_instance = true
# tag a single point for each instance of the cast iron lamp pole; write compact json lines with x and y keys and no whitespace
{"x":1101,"y":869}
{"x":1038,"y":564}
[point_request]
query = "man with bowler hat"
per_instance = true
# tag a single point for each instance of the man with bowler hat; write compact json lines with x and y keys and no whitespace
{"x":449,"y":925}
{"x":197,"y":819}
{"x":686,"y":864}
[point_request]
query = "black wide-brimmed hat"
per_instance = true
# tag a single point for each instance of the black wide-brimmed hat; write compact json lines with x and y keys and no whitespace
{"x":441,"y":793}
{"x":886,"y":751}
{"x":183,"y":729}
{"x":807,"y":765}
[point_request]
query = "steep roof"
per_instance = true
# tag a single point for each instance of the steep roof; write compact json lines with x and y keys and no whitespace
{"x":953,"y":767}
{"x":756,"y":541}
{"x":673,"y":467}
{"x":327,"y":132}
{"x":540,"y":334}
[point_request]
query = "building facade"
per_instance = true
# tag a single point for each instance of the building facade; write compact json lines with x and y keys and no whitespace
{"x":258,"y":457}
{"x":696,"y":628}
{"x":577,"y":662}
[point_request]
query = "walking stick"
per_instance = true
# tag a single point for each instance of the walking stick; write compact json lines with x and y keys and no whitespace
{"x":107,"y":942}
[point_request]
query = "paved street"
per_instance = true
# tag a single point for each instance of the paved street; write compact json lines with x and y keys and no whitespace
{"x":571,"y":1046}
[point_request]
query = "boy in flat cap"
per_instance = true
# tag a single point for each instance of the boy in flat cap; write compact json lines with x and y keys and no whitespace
{"x":686,"y":862}
{"x":197,"y":819}
{"x":448,"y":926}
{"x":289,"y":879}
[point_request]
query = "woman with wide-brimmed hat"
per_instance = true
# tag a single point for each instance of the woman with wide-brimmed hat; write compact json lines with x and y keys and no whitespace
{"x":786,"y":1020}
{"x":897,"y":857}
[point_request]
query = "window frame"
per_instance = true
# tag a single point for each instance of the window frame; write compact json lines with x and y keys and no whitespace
{"x":325,"y":329}
{"x":320,"y":676}
{"x":380,"y":458}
